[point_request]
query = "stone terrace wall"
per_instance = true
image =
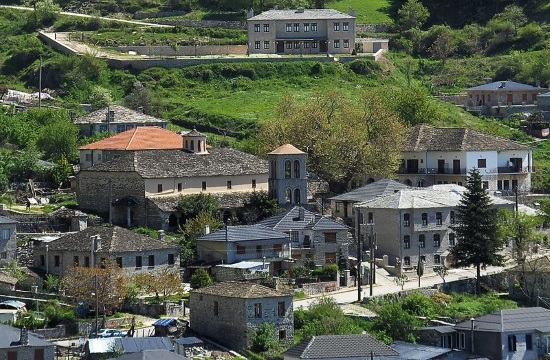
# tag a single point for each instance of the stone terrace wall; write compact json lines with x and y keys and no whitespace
{"x":206,"y":24}
{"x":187,"y":50}
{"x":371,"y":28}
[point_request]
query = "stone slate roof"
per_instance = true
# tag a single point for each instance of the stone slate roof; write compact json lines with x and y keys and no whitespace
{"x":243,"y":290}
{"x":64,"y":212}
{"x":114,"y":239}
{"x":7,"y":279}
{"x":305,"y":14}
{"x":428,"y":138}
{"x":151,"y":355}
{"x":423,"y":352}
{"x":181,"y":163}
{"x":5,"y":220}
{"x":514,"y":320}
{"x":286,"y":149}
{"x":226,"y":200}
{"x":139,"y":138}
{"x":290,"y":220}
{"x":435,"y":196}
{"x":9,"y":337}
{"x":245,"y":233}
{"x":358,"y":346}
{"x":504,"y":86}
{"x":370,"y":191}
{"x":122,"y":115}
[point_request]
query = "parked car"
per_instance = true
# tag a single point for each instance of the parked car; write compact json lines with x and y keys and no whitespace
{"x":106,"y":333}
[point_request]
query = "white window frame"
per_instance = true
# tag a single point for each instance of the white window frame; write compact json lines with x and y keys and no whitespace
{"x":257,"y":27}
{"x":288,"y":27}
{"x":266,"y":44}
{"x":346,"y":43}
{"x":306,"y":27}
{"x":296,"y":27}
{"x":257,"y":45}
{"x":345,"y":26}
{"x":266,"y":27}
{"x":336,"y":26}
{"x":314,"y":27}
{"x":336,"y":44}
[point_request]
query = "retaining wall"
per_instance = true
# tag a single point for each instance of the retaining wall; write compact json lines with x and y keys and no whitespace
{"x":187,"y":50}
{"x":62,"y":48}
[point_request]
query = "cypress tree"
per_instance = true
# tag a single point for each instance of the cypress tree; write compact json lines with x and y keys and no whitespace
{"x":477,"y":229}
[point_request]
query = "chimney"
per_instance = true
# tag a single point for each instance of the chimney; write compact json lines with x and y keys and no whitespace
{"x":300,"y":10}
{"x":110,"y":115}
{"x":250,"y":13}
{"x":24,"y":339}
{"x":503,"y":84}
{"x":472,"y":321}
{"x":301,"y":214}
{"x":351,"y":12}
{"x":206,"y":230}
{"x":161,"y":235}
{"x":140,"y":109}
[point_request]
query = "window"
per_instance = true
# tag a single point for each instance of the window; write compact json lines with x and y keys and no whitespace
{"x":171,"y":259}
{"x":151,"y":260}
{"x":241,"y":249}
{"x":306,"y":27}
{"x":407,"y":261}
{"x":528,"y":342}
{"x":370,"y":218}
{"x":288,"y":44}
{"x":423,"y":258}
{"x":229,"y":185}
{"x":296,"y":44}
{"x":361,"y":217}
{"x":481,"y":163}
{"x":259,"y":250}
{"x":42,"y":260}
{"x":204,"y":186}
{"x":306,"y":44}
{"x":75,"y":260}
{"x":3,"y":255}
{"x":314,"y":44}
{"x":38,"y":354}
{"x":336,"y":26}
{"x":256,"y":27}
{"x":288,"y":27}
{"x":87,"y":261}
{"x":288,"y":196}
{"x":406,"y":220}
{"x":438,"y":218}
{"x":12,"y":355}
{"x":88,"y":157}
{"x":485,"y":185}
{"x":424,"y":219}
{"x":216,"y":308}
{"x":437,"y":259}
{"x":346,"y":43}
{"x":437,"y":240}
{"x":422,"y":240}
{"x":159,"y":188}
{"x":282,"y":334}
{"x":345,"y":26}
{"x":118,"y":261}
{"x":296,"y":27}
{"x":120,"y":128}
{"x":5,"y":234}
{"x":56,"y":260}
{"x":258,"y":310}
{"x":452,"y":217}
{"x":180,"y":187}
{"x":266,"y":44}
{"x":452,"y":239}
{"x":99,"y":156}
{"x":512,"y":343}
{"x":407,"y":242}
{"x":138,"y":262}
{"x":336,"y":44}
{"x":330,"y":238}
{"x":294,"y":236}
{"x":253,"y":183}
{"x":330,"y":258}
{"x":461,"y":340}
{"x":102,"y":128}
{"x":288,"y":168}
{"x":266,"y":27}
{"x":313,"y":26}
{"x":281,"y":308}
{"x":257,"y":45}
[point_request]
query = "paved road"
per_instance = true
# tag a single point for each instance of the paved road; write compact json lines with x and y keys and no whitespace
{"x":386,"y":285}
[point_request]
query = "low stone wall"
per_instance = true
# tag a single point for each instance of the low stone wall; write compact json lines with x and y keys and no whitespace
{"x":175,"y":310}
{"x":319,"y":288}
{"x":52,"y":333}
{"x":371,"y":28}
{"x":62,"y":48}
{"x":206,"y":24}
{"x":187,"y":50}
{"x":158,"y":14}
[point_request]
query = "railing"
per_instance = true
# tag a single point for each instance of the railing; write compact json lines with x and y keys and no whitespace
{"x":285,"y":254}
{"x":433,"y":171}
{"x":302,"y":245}
{"x":513,"y":170}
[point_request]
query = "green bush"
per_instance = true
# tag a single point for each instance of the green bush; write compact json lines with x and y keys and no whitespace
{"x":364,"y":67}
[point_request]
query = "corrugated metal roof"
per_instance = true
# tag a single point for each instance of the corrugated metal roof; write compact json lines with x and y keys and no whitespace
{"x":165,"y":322}
{"x":188,"y":341}
{"x":13,"y":304}
{"x":132,"y":345}
{"x":523,"y":319}
{"x":418,"y":352}
{"x":100,"y":346}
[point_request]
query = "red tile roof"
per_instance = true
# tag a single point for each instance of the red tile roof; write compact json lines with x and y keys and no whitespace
{"x":139,"y":138}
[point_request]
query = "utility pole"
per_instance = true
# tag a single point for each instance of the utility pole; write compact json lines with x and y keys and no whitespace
{"x":96,"y":306}
{"x":371,"y":255}
{"x":40,"y":84}
{"x":359,"y":255}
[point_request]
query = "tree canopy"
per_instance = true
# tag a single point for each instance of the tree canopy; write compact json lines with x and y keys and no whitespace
{"x":478,"y":237}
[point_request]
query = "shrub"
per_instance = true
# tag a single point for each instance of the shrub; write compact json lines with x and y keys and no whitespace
{"x":200,"y":279}
{"x":317,"y":69}
{"x":364,"y":67}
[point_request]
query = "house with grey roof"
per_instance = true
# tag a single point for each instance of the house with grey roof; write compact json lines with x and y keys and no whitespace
{"x":20,"y":344}
{"x":143,"y":188}
{"x":301,"y":32}
{"x":502,"y":98}
{"x":313,"y":237}
{"x":230,"y":312}
{"x":445,"y":156}
{"x":151,"y":355}
{"x":342,"y":205}
{"x":251,"y":243}
{"x":8,"y":239}
{"x":131,"y":251}
{"x":96,"y":349}
{"x":415,"y":222}
{"x":341,"y":347}
{"x":116,"y":119}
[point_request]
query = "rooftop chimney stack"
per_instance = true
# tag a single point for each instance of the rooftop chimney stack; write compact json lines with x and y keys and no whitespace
{"x":161,"y":235}
{"x":206,"y":230}
{"x":24,"y":339}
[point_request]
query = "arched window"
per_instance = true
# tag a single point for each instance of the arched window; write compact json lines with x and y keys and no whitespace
{"x":408,"y":182}
{"x":288,"y":196}
{"x":437,"y":240}
{"x":421,"y":183}
{"x":407,"y":242}
{"x":172,"y":220}
{"x":272,"y":170}
{"x":407,"y":261}
{"x":422,"y":240}
{"x":297,"y":196}
{"x":370,"y":181}
{"x":288,"y":169}
{"x":192,"y":145}
{"x":296,"y":169}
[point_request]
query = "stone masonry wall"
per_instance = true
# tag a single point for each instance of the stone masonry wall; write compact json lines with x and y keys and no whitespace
{"x":188,"y":50}
{"x":322,"y":247}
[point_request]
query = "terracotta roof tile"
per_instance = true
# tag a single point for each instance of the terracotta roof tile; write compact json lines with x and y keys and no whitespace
{"x":139,"y":138}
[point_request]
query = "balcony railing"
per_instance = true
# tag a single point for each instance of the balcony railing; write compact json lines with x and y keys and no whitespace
{"x":285,"y":254}
{"x":433,"y":171}
{"x":514,"y":169}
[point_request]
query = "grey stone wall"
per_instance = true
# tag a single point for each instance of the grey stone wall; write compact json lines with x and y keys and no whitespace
{"x":8,"y":247}
{"x":188,"y":50}
{"x":321,"y":247}
{"x":371,"y":28}
{"x":28,"y":352}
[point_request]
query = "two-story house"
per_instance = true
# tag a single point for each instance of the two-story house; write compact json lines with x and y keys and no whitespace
{"x":114,"y":118}
{"x":131,"y":251}
{"x":413,"y":223}
{"x":8,"y":239}
{"x":143,"y":188}
{"x":234,"y":244}
{"x":301,"y":32}
{"x":313,"y":237}
{"x":20,"y":344}
{"x":230,"y":312}
{"x":445,"y":156}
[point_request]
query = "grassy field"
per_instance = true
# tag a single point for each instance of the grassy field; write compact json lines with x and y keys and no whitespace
{"x":367,"y":11}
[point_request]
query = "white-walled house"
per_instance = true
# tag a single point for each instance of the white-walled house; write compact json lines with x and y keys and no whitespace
{"x":445,"y":156}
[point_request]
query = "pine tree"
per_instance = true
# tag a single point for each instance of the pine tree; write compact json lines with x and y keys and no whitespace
{"x":478,"y":240}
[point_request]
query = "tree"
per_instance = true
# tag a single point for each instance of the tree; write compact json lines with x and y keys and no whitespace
{"x":513,"y":14}
{"x":100,"y":97}
{"x":520,"y":228}
{"x":478,"y":238}
{"x":200,"y":279}
{"x":59,"y":139}
{"x":345,"y":141}
{"x":324,"y":317}
{"x":108,"y":282}
{"x":442,"y":271}
{"x":140,"y":98}
{"x":47,"y":11}
{"x":192,"y":205}
{"x":259,"y":206}
{"x":396,"y":323}
{"x":15,"y":270}
{"x":442,"y":47}
{"x":52,"y":283}
{"x":400,"y":280}
{"x":163,"y":282}
{"x":264,"y":338}
{"x":412,"y":15}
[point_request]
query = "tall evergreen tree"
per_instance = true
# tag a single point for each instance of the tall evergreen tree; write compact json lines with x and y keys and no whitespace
{"x":478,"y":240}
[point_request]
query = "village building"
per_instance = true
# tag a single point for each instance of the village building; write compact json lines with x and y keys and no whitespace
{"x":21,"y":344}
{"x":287,"y":175}
{"x":8,"y":239}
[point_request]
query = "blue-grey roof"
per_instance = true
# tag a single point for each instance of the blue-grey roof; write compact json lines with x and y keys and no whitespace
{"x":151,"y":355}
{"x":247,"y":233}
{"x":299,"y":218}
{"x":418,"y":352}
{"x":442,"y":329}
{"x":370,"y":191}
{"x":301,"y":14}
{"x":5,"y":220}
{"x":165,"y":322}
{"x":14,"y":304}
{"x":357,"y":346}
{"x":186,"y":341}
{"x":522,"y":319}
{"x":133,"y":345}
{"x":504,"y":86}
{"x":10,"y":336}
